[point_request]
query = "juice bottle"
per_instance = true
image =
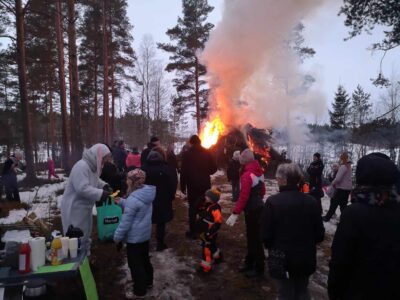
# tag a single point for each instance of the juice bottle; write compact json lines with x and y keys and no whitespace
{"x":24,"y":258}
{"x":56,"y":252}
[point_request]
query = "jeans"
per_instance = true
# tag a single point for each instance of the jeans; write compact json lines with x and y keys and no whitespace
{"x":293,"y":289}
{"x":340,"y":198}
{"x":140,"y":266}
{"x":255,"y":252}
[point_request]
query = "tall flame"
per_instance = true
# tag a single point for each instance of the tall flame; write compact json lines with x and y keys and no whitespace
{"x":263,"y":151}
{"x":211,"y":132}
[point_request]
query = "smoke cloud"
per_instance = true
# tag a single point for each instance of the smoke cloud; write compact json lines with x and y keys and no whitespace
{"x":254,"y":77}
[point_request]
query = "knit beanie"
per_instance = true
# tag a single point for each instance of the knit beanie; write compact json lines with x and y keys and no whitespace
{"x":376,"y":169}
{"x":214,"y":194}
{"x":246,"y":156}
{"x":138,"y":178}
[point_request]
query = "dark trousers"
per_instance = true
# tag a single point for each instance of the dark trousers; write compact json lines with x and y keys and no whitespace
{"x":235,"y":190}
{"x":340,"y":198}
{"x":11,"y":187}
{"x":194,"y":198}
{"x":293,"y":289}
{"x":160,"y":233}
{"x":255,"y":252}
{"x":140,"y":266}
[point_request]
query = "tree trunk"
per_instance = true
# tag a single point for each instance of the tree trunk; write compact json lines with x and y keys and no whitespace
{"x":52,"y":131}
{"x":26,"y":128}
{"x":96,"y":107}
{"x":74,"y":89}
{"x":61,"y":79}
{"x":111,"y":55}
{"x":197,"y":96}
{"x":106,"y":108}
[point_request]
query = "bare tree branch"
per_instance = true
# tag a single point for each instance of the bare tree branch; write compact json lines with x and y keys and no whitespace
{"x":8,"y":36}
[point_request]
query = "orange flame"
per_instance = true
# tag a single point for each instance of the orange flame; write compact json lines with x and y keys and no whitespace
{"x":211,"y":132}
{"x":262,"y":151}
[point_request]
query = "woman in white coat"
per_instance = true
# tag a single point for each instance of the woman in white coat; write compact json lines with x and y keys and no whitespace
{"x":84,"y":187}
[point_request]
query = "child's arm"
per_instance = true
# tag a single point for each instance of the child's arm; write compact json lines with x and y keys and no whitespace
{"x":217,"y":215}
{"x":125,"y":224}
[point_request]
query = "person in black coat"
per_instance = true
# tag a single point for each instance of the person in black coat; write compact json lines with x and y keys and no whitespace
{"x":233,"y":174}
{"x":197,"y":166}
{"x":291,"y":227}
{"x":113,"y":177}
{"x":9,"y":177}
{"x":315,"y":174}
{"x":154,"y":142}
{"x":164,"y":178}
{"x":365,"y":261}
{"x":119,"y":155}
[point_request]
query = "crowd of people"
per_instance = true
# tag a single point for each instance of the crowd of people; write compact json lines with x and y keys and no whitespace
{"x":365,"y":260}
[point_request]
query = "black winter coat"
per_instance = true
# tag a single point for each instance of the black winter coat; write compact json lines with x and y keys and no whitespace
{"x":315,"y":172}
{"x":197,"y":166}
{"x":164,"y":178}
{"x":113,"y":177}
{"x":119,"y":156}
{"x":291,"y":223}
{"x":365,"y":260}
{"x":233,"y":171}
{"x":145,"y":153}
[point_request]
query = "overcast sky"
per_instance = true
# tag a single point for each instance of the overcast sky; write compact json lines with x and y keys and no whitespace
{"x":336,"y":61}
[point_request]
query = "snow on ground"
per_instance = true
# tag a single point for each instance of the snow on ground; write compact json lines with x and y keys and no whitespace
{"x":172,"y":276}
{"x":14,"y":216}
{"x":16,"y":236}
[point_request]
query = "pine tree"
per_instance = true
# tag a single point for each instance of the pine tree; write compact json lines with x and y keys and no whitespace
{"x":190,"y":35}
{"x":339,"y":116}
{"x":360,"y":106}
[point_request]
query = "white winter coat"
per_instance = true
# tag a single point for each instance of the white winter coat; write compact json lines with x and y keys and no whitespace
{"x":83,"y":189}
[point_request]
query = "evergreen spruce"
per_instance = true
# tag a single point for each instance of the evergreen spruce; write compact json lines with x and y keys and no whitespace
{"x":339,"y":116}
{"x":360,"y":106}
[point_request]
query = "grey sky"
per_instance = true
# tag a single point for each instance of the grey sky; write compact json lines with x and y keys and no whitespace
{"x":337,"y":61}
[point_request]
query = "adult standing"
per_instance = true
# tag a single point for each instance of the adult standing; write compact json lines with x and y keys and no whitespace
{"x":154,"y":142}
{"x":83,"y":189}
{"x":164,"y":178}
{"x":342,"y":185}
{"x":197,"y":166}
{"x":315,"y":173}
{"x":119,"y":156}
{"x":9,"y":176}
{"x":233,"y":174}
{"x":365,"y":261}
{"x":171,"y":157}
{"x":252,"y":191}
{"x":291,"y":228}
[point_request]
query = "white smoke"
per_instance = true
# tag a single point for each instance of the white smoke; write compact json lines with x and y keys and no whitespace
{"x":254,"y":77}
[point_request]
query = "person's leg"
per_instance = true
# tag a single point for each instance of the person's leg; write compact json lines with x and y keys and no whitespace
{"x":249,"y":260}
{"x":285,"y":288}
{"x":215,"y":251}
{"x":192,"y":212}
{"x":332,"y":207}
{"x":256,"y":250}
{"x":206,"y":262}
{"x":147,"y":264}
{"x":344,"y":199}
{"x":137,"y":263}
{"x":160,"y":234}
{"x":301,"y":288}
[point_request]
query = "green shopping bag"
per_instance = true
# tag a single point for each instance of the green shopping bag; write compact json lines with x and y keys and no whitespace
{"x":108,"y":217}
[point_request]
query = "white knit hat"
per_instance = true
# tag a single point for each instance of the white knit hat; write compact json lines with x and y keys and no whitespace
{"x":246,"y":156}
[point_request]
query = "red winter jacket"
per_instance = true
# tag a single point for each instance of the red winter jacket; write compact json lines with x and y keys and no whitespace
{"x":133,"y":160}
{"x":252,"y":174}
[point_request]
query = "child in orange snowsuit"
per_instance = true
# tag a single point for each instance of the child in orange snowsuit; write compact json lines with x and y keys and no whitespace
{"x":210,"y":220}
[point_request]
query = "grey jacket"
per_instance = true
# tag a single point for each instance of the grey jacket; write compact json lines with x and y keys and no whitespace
{"x":343,"y":178}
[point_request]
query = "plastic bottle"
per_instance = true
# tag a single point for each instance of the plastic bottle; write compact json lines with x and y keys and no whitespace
{"x":56,"y":255}
{"x":24,"y":258}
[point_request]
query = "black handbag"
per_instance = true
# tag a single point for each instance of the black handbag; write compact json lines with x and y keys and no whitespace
{"x":277,"y":264}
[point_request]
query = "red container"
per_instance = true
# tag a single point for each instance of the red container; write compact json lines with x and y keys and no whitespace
{"x":24,"y":258}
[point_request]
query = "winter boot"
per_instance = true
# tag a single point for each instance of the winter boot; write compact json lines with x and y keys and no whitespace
{"x":220,"y":258}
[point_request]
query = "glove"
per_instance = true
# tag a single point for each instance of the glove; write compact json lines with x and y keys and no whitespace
{"x":103,"y":198}
{"x":119,"y":246}
{"x":108,"y":188}
{"x":232,"y":220}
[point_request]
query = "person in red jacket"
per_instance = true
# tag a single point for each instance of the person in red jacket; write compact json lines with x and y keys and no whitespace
{"x":252,"y":191}
{"x":51,"y":168}
{"x":133,"y":160}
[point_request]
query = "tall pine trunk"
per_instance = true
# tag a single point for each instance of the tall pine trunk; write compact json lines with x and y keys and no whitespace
{"x":74,"y":88}
{"x":112,"y":68}
{"x":26,"y":128}
{"x":106,"y":108}
{"x":52,"y":127}
{"x":198,"y":116}
{"x":61,"y":81}
{"x":96,"y":106}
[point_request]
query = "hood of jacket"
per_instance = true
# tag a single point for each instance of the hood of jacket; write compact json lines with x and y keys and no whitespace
{"x":155,"y":157}
{"x":254,"y":167}
{"x":146,"y":194}
{"x":94,"y":156}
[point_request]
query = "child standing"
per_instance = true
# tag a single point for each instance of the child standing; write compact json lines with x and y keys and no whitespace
{"x":135,"y":230}
{"x":210,"y":220}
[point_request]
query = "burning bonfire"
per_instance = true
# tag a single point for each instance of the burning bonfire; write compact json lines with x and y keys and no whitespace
{"x":222,"y":141}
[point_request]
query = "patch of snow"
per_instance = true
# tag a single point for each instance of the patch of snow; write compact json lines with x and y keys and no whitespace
{"x":172,"y":276}
{"x":16,"y":236}
{"x":15,"y":215}
{"x":219,"y":173}
{"x":42,"y":193}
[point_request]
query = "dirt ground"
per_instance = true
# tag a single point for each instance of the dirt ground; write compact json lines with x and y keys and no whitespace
{"x":175,"y":276}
